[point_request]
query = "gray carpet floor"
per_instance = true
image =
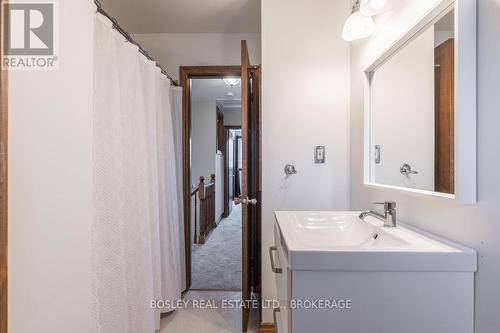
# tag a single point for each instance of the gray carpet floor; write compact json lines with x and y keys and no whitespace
{"x":217,"y":263}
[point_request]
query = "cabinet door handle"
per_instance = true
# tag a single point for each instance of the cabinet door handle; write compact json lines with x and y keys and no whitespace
{"x":273,"y":267}
{"x":275,"y":312}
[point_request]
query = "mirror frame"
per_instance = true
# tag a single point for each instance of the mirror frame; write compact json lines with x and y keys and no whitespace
{"x":465,"y":99}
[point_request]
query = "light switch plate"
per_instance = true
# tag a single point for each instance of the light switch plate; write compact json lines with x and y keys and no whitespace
{"x":319,"y":154}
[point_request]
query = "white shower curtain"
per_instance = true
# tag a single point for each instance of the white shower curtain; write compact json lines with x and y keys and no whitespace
{"x":136,"y":228}
{"x":176,"y":105}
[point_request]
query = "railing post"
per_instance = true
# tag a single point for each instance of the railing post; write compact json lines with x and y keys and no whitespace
{"x":201,"y":188}
{"x":206,"y":194}
{"x":203,"y":215}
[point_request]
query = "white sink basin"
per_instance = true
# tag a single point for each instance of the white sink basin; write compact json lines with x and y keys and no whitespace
{"x":342,"y":241}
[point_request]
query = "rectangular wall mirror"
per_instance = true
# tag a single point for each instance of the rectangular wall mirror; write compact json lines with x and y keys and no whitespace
{"x":420,"y":108}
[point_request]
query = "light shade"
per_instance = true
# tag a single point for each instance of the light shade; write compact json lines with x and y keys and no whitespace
{"x":358,"y":26}
{"x":232,"y":81}
{"x":375,"y":7}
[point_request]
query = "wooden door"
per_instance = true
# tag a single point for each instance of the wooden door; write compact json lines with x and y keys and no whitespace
{"x":3,"y":180}
{"x":246,"y":292}
{"x":251,"y":180}
{"x":444,"y":170}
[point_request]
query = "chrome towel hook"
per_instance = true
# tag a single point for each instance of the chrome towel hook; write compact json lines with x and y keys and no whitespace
{"x":290,"y":169}
{"x":407,"y":170}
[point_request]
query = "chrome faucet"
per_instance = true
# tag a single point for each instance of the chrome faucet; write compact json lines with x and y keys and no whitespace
{"x":389,"y":216}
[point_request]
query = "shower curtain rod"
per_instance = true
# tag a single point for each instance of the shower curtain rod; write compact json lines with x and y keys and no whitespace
{"x":129,"y":38}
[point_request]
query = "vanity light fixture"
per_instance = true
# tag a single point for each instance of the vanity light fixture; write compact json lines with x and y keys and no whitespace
{"x":231,"y":81}
{"x":358,"y":26}
{"x":375,"y":7}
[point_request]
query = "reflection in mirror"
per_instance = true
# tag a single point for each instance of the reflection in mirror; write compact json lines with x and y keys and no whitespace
{"x":412,"y":112}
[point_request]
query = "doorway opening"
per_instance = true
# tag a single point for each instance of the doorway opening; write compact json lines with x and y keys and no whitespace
{"x":215,"y":166}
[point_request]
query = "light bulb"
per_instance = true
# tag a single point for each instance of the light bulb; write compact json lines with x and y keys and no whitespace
{"x":230,"y":81}
{"x":375,"y":7}
{"x":377,"y":4}
{"x":358,"y":26}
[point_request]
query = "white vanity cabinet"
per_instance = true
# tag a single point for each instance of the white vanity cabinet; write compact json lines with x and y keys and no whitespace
{"x":409,"y":284}
{"x":283,"y":276}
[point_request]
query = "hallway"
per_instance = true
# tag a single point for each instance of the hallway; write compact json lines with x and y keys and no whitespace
{"x":216,"y":265}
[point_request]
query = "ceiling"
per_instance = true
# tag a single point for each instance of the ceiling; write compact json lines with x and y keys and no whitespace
{"x":185,"y":16}
{"x":213,"y":89}
{"x":216,"y":90}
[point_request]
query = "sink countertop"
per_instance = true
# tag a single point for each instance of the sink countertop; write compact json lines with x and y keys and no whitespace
{"x":341,"y":241}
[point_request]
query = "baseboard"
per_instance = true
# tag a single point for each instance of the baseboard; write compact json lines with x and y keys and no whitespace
{"x":267,"y":328}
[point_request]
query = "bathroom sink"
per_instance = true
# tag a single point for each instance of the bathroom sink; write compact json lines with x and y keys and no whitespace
{"x":342,"y":241}
{"x":398,"y":279}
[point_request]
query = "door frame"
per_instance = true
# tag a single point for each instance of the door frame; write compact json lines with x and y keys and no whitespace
{"x":3,"y":179}
{"x":185,"y":74}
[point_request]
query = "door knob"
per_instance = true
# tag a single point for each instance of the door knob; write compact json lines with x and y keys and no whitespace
{"x":238,"y":200}
{"x":251,"y":201}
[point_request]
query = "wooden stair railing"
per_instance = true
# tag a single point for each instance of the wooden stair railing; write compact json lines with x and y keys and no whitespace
{"x":206,"y":193}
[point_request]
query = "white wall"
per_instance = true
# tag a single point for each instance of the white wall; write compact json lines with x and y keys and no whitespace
{"x":50,"y":184}
{"x":403,"y":115}
{"x":305,"y":103}
{"x":232,"y":116}
{"x":203,"y":139}
{"x":477,"y":225}
{"x":174,"y":50}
